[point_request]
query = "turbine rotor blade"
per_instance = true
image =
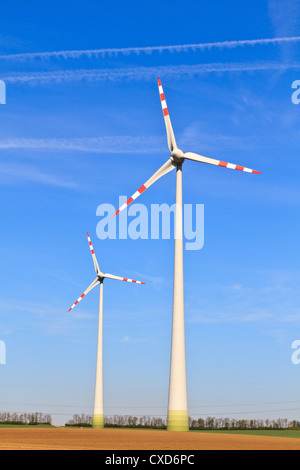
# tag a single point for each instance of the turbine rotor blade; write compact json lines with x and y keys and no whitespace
{"x":94,"y":283}
{"x":199,"y":158}
{"x":166,"y":168}
{"x":118,"y":278}
{"x":170,"y":134}
{"x":97,"y":269}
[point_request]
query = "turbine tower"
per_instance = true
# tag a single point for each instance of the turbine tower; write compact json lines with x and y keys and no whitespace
{"x":177,"y":406}
{"x":98,"y":416}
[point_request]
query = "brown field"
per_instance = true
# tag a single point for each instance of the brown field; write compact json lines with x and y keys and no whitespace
{"x":120,"y":439}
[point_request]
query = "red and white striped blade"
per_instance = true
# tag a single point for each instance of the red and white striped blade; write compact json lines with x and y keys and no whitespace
{"x":118,"y":278}
{"x":170,"y":134}
{"x":94,"y":283}
{"x":97,"y":269}
{"x":211,"y":161}
{"x":166,"y":168}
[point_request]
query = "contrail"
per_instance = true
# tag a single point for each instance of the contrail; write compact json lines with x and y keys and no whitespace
{"x":106,"y":144}
{"x":75,"y":54}
{"x":143,"y":73}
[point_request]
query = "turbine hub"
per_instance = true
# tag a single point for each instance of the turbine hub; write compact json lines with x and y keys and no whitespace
{"x":177,"y":155}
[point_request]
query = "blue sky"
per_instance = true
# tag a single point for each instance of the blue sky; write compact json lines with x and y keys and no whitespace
{"x":82,"y":128}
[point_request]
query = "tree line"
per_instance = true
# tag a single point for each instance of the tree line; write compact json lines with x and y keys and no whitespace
{"x":224,"y":424}
{"x":25,"y":418}
{"x":120,"y":421}
{"x":210,"y":423}
{"x":152,"y":422}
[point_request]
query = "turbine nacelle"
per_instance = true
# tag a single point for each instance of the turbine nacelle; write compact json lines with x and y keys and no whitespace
{"x":177,"y":156}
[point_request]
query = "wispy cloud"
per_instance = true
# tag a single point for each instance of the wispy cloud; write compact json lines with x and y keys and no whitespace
{"x":155,"y":280}
{"x":17,"y":173}
{"x":127,"y":144}
{"x":284,"y":16}
{"x":189,"y":139}
{"x":53,"y":319}
{"x":106,"y":144}
{"x":219,"y":316}
{"x":144,"y":73}
{"x":75,"y":54}
{"x":276,"y":301}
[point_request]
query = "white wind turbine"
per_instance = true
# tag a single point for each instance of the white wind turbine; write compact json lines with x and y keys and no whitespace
{"x":177,"y":407}
{"x":98,"y":416}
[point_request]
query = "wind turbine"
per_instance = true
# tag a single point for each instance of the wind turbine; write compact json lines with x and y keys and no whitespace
{"x":98,"y":416}
{"x":177,"y":406}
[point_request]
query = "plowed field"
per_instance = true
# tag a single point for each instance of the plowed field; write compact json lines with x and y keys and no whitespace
{"x":121,"y":439}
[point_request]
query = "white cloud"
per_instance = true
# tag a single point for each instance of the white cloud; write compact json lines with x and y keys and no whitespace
{"x":75,"y":54}
{"x":144,"y":73}
{"x":106,"y":144}
{"x":275,"y":300}
{"x":284,"y":16}
{"x":17,"y":173}
{"x":52,"y":319}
